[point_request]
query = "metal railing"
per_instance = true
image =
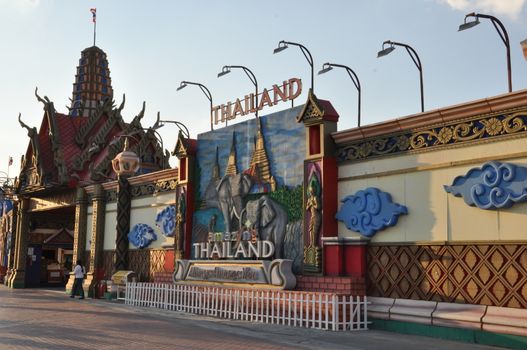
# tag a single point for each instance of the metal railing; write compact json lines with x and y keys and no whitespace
{"x":292,"y":308}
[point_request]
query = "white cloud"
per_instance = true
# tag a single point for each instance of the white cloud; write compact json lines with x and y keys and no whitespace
{"x":510,"y":8}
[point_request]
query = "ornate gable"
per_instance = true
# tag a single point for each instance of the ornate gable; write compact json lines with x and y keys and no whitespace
{"x":182,"y":146}
{"x":313,"y":112}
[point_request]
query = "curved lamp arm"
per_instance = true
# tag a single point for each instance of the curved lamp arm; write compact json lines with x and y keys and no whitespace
{"x":413,"y":55}
{"x":502,"y":32}
{"x":227,"y":69}
{"x":206,"y":91}
{"x":282,"y":45}
{"x":326,"y":67}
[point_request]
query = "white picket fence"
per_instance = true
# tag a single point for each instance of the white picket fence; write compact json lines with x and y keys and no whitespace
{"x":292,"y":308}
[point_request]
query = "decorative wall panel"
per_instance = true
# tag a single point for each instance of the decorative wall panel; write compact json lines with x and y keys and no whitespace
{"x":488,"y":274}
{"x":495,"y":126}
{"x":146,"y":262}
{"x":108,"y":260}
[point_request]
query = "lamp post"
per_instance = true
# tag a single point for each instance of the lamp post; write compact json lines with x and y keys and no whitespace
{"x":326,"y":67}
{"x":203,"y":88}
{"x":282,"y":45}
{"x":125,"y":164}
{"x":500,"y":28}
{"x":227,"y":69}
{"x":413,"y":56}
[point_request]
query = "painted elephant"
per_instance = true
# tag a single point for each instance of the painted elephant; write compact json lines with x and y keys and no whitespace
{"x":231,"y":190}
{"x":269,"y":219}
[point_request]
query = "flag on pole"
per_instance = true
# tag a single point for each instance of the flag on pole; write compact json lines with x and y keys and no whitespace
{"x":94,"y":14}
{"x":10,"y":161}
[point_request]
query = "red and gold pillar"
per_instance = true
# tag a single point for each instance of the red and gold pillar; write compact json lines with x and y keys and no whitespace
{"x":320,"y":185}
{"x":185,"y":151}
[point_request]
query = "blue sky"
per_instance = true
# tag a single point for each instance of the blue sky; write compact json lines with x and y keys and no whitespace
{"x":153,"y":45}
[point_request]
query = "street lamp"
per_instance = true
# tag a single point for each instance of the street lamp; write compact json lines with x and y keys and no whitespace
{"x":282,"y":45}
{"x":500,"y":28}
{"x":182,"y":128}
{"x":126,"y":163}
{"x":227,"y":69}
{"x":326,"y":67}
{"x":203,"y":88}
{"x":413,"y":56}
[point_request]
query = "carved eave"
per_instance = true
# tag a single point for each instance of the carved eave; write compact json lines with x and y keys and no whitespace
{"x":82,"y":138}
{"x":54,"y":137}
{"x":100,"y":139}
{"x":313,"y":112}
{"x":31,"y":172}
{"x":136,"y":122}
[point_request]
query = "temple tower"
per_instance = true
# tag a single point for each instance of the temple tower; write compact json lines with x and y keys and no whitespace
{"x":232,"y":169}
{"x":92,"y":83}
{"x":259,"y":161}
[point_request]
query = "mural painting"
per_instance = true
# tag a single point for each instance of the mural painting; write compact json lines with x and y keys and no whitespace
{"x":250,"y":179}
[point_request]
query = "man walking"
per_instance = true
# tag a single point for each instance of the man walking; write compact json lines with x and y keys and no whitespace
{"x":79,"y":272}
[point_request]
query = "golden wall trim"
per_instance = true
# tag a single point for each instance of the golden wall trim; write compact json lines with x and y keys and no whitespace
{"x":492,"y":127}
{"x":435,"y":117}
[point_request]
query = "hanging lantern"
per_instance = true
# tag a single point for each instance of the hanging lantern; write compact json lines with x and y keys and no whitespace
{"x":126,"y":163}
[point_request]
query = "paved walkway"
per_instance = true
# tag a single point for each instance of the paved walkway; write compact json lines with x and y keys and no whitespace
{"x":48,"y":319}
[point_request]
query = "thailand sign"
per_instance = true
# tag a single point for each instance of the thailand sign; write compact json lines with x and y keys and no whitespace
{"x":244,"y":244}
{"x":288,"y":91}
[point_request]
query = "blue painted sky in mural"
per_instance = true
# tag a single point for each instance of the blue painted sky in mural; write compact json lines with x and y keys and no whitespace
{"x":284,"y":142}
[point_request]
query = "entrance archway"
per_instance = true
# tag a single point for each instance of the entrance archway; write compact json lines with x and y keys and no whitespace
{"x":50,"y":247}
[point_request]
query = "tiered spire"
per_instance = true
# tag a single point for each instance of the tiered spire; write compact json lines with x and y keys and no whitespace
{"x":216,"y":168}
{"x":92,"y":84}
{"x":231,"y":162}
{"x":260,"y":162}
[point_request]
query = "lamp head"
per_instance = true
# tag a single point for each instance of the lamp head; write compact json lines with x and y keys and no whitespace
{"x":225,"y":70}
{"x":326,"y":67}
{"x":385,"y":51}
{"x":182,"y":85}
{"x":468,"y":25}
{"x":281,"y":47}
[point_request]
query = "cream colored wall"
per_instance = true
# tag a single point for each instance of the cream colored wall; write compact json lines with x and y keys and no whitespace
{"x":434,"y":215}
{"x":89,"y":222}
{"x":145,"y":210}
{"x":110,"y":222}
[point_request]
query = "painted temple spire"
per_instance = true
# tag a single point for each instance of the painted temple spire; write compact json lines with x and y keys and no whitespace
{"x":92,"y":85}
{"x":231,"y":162}
{"x":216,"y":168}
{"x":259,"y":161}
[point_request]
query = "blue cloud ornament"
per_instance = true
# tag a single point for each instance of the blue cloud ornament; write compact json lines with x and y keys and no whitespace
{"x":369,"y":211}
{"x":495,"y":185}
{"x":141,"y":235}
{"x":166,"y":220}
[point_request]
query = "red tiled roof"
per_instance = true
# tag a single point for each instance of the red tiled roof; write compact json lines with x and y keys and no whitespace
{"x":68,"y":127}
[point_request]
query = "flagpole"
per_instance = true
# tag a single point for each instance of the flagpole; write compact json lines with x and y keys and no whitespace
{"x":94,"y":31}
